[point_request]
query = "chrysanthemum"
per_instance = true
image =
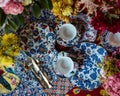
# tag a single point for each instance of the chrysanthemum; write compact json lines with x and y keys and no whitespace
{"x":9,"y":39}
{"x":6,"y":61}
{"x":68,"y":2}
{"x":67,"y":11}
{"x":14,"y":50}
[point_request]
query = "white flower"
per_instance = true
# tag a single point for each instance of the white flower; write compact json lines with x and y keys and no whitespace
{"x":3,"y":3}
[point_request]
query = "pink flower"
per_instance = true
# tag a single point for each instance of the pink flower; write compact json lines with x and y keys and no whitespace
{"x":3,"y":2}
{"x":13,"y":80}
{"x":112,"y":85}
{"x":13,"y":8}
{"x":117,"y":64}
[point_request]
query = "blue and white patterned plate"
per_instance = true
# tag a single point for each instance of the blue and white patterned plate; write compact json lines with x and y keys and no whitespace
{"x":105,"y":42}
{"x":87,"y":76}
{"x":36,"y":39}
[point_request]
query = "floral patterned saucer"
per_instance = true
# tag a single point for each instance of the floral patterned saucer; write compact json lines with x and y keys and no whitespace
{"x":105,"y":43}
{"x":87,"y":75}
{"x":36,"y":39}
{"x":89,"y":34}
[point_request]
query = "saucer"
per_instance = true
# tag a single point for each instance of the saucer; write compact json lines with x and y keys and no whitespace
{"x":88,"y":35}
{"x":36,"y":39}
{"x":105,"y":42}
{"x":87,"y":76}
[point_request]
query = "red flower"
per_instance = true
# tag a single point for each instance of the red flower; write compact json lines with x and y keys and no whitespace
{"x":118,"y":3}
{"x":103,"y":22}
{"x":98,"y":21}
{"x":1,"y":72}
{"x":117,"y":63}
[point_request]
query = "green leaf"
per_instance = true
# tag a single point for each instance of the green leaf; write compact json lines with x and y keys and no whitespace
{"x":19,"y":19}
{"x":12,"y":24}
{"x":50,"y":4}
{"x":44,"y":4}
{"x":2,"y":17}
{"x":114,"y":16}
{"x":36,"y":10}
{"x":7,"y":29}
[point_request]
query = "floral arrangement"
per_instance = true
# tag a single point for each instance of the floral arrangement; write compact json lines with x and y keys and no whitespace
{"x":14,"y":7}
{"x":9,"y":48}
{"x":105,"y":14}
{"x":63,"y":9}
{"x":111,"y":73}
{"x":112,"y":85}
{"x":13,"y":12}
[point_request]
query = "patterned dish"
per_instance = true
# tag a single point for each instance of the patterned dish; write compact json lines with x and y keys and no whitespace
{"x":105,"y":42}
{"x":36,"y":39}
{"x":89,"y":34}
{"x":87,"y":76}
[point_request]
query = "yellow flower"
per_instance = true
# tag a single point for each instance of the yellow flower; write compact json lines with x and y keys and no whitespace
{"x":6,"y":61}
{"x":62,"y":9}
{"x":68,"y":2}
{"x":1,"y":50}
{"x":67,"y":11}
{"x":103,"y":93}
{"x":13,"y":51}
{"x":9,"y":39}
{"x":26,"y":2}
{"x":57,"y":8}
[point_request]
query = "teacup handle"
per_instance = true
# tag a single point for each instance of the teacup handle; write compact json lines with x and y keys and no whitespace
{"x":70,"y":74}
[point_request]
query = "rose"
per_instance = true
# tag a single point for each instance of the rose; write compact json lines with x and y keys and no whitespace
{"x":3,"y":2}
{"x":13,"y":8}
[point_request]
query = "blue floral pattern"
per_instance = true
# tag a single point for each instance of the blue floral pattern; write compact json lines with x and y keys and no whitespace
{"x":37,"y":39}
{"x":87,"y":76}
{"x":89,"y":35}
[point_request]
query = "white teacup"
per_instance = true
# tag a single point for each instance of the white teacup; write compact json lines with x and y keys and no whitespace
{"x":67,"y":31}
{"x":114,"y":39}
{"x":65,"y":66}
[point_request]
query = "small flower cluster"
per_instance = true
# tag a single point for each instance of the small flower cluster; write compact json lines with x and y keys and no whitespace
{"x":111,"y":73}
{"x":63,"y":9}
{"x":107,"y":16}
{"x":112,"y":85}
{"x":9,"y":48}
{"x":111,"y":64}
{"x":105,"y":13}
{"x":14,"y":7}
